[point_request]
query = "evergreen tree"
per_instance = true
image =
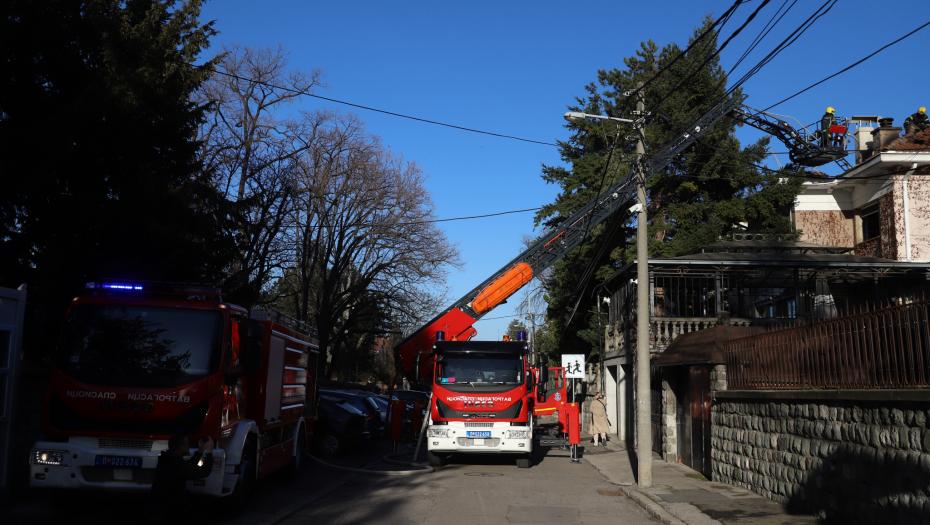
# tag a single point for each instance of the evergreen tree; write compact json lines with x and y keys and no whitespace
{"x":710,"y":190}
{"x":97,"y":132}
{"x":515,"y":326}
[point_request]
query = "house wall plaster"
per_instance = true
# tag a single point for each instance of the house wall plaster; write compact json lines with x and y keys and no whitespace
{"x":918,"y":190}
{"x":829,"y":228}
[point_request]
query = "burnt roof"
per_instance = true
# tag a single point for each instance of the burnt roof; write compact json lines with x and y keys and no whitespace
{"x":912,"y":142}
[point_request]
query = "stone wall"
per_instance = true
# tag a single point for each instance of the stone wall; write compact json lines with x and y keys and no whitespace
{"x":851,"y":457}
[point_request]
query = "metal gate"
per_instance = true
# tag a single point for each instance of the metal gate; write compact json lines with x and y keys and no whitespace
{"x":700,"y":419}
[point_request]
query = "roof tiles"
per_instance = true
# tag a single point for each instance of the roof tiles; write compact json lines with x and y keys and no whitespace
{"x":913,"y":142}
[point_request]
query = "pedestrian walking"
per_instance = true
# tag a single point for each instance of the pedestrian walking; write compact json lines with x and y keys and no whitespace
{"x":600,"y":425}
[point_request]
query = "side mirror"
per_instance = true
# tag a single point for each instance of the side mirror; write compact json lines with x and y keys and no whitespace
{"x":543,"y":378}
{"x":254,"y":350}
{"x":254,"y":353}
{"x":256,"y":331}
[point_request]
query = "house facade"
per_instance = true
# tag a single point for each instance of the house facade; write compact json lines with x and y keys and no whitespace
{"x":881,"y":206}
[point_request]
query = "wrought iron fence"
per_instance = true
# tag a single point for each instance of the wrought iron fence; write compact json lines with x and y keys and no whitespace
{"x":885,"y":348}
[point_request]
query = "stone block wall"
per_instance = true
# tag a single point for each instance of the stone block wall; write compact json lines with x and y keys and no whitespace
{"x":850,"y":457}
{"x":669,"y":424}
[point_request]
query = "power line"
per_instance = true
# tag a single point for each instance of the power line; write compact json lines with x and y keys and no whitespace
{"x":301,"y":92}
{"x":472,"y":217}
{"x":723,"y":18}
{"x":849,"y":67}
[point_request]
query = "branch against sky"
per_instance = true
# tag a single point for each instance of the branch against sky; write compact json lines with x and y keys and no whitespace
{"x":252,"y":150}
{"x":360,"y":236}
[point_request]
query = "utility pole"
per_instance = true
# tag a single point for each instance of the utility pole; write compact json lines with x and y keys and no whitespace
{"x":643,"y":399}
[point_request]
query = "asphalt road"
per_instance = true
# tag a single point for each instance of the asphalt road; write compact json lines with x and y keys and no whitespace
{"x":472,"y":490}
{"x":481,"y":490}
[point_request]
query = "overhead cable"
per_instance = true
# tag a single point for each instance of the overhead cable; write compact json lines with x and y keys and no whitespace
{"x":306,"y":93}
{"x":848,"y":67}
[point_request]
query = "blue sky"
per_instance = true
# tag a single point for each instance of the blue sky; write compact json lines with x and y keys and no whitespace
{"x":512,"y":67}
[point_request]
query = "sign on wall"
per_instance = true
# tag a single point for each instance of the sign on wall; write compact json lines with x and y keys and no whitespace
{"x":573,"y":365}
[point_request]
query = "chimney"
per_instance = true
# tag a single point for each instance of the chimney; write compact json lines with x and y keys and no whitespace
{"x":885,"y":134}
{"x":865,"y":125}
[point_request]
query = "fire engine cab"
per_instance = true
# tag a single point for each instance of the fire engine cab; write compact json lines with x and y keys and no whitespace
{"x":138,"y":362}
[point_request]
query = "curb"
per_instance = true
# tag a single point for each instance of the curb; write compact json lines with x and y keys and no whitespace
{"x":651,"y":506}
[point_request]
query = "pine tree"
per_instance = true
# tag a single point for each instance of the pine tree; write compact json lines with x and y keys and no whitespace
{"x":712,"y":189}
{"x":97,"y":132}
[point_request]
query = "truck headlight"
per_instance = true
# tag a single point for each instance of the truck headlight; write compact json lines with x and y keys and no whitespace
{"x":55,"y":458}
{"x":437,"y":433}
{"x":518,"y":434}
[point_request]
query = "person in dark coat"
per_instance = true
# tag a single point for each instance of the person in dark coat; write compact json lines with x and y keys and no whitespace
{"x":169,"y":489}
{"x":918,"y":121}
{"x":826,"y":122}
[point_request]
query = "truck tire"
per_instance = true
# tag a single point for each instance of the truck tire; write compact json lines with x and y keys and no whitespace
{"x":524,"y":461}
{"x":293,"y":468}
{"x":248,"y":477}
{"x":436,"y":460}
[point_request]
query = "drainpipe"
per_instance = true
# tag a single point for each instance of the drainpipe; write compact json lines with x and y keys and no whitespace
{"x":907,"y":222}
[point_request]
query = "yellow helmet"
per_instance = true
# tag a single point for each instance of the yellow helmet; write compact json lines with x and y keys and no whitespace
{"x":922,"y":110}
{"x":831,"y":110}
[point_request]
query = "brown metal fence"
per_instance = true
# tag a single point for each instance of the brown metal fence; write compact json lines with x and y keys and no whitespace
{"x":886,"y":348}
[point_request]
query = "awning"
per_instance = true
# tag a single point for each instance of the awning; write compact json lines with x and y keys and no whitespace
{"x":703,"y":347}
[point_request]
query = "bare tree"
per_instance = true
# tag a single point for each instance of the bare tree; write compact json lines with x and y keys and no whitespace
{"x":253,"y":150}
{"x":363,"y":238}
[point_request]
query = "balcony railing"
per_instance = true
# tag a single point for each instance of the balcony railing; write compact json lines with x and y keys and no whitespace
{"x":884,"y":348}
{"x":664,"y":330}
{"x":869,"y":248}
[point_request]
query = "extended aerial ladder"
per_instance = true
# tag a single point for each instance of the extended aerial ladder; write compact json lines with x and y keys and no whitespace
{"x":457,"y":320}
{"x":804,"y":148}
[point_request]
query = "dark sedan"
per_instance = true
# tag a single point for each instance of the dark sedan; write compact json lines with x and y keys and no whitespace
{"x":341,"y":426}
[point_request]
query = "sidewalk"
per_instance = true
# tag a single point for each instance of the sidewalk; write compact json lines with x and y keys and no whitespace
{"x":680,"y":495}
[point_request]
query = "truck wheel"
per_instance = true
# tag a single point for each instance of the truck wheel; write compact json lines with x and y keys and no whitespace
{"x":245,"y":485}
{"x":293,"y":468}
{"x":435,"y":460}
{"x":524,"y":462}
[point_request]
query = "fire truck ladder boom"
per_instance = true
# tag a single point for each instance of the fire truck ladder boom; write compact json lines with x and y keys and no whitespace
{"x":555,"y":245}
{"x":804,"y":148}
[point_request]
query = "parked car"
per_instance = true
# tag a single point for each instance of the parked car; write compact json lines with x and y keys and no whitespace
{"x":359,"y":400}
{"x":364,"y":402}
{"x":411,"y":395}
{"x":339,"y":427}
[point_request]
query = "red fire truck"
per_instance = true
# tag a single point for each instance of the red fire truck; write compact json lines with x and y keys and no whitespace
{"x":483,"y":398}
{"x":138,"y":362}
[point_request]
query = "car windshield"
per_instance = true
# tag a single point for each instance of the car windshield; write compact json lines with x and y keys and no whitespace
{"x":343,"y":404}
{"x":140,"y":345}
{"x":480,"y":368}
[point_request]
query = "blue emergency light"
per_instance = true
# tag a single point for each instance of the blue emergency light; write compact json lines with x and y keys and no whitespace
{"x":118,"y":286}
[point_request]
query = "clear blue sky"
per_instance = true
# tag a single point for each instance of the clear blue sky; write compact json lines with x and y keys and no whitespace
{"x":512,"y":68}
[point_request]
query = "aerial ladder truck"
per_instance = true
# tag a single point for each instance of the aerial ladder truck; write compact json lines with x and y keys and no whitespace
{"x":471,"y":412}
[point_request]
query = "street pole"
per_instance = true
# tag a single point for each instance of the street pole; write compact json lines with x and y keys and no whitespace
{"x":643,"y":400}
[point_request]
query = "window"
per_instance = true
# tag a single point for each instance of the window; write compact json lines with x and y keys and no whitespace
{"x":871,"y":226}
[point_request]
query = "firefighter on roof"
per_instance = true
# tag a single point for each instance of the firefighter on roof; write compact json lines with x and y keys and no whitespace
{"x":918,"y":121}
{"x":826,"y":122}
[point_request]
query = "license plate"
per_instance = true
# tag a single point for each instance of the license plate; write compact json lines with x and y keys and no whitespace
{"x":477,"y":434}
{"x":117,"y":461}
